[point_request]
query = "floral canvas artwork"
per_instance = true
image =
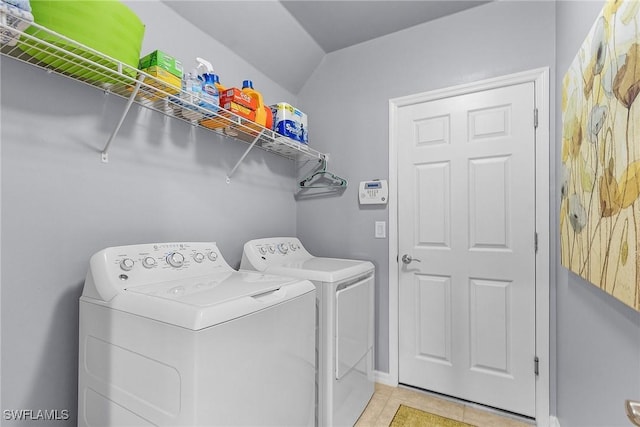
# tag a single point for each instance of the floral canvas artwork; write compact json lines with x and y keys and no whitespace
{"x":600,"y":205}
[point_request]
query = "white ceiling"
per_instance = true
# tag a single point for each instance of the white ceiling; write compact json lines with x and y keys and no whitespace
{"x":335,"y":25}
{"x":287,"y":39}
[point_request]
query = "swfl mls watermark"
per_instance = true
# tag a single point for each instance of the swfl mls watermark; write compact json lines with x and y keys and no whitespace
{"x":35,"y":414}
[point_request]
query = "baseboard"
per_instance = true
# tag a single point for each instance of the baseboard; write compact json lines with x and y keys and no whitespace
{"x":554,"y":422}
{"x":384,"y":378}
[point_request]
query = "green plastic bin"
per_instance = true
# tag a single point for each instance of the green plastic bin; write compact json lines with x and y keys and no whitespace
{"x":109,"y":27}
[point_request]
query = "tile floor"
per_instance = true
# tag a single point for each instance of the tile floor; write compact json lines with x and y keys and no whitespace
{"x":386,"y":400}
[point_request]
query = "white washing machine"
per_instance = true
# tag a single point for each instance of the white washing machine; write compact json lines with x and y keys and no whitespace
{"x":171,"y":335}
{"x":345,"y":295}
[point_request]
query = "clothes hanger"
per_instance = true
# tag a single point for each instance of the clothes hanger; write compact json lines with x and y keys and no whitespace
{"x":333,"y":180}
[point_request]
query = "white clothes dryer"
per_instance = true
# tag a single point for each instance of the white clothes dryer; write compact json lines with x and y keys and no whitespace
{"x":171,"y":335}
{"x":345,"y":295}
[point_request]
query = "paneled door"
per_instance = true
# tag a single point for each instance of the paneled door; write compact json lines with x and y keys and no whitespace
{"x":466,"y":230}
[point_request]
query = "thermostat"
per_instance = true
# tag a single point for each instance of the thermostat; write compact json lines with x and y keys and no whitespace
{"x":373,"y":192}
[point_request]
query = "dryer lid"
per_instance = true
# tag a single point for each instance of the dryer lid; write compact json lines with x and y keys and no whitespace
{"x":322,"y":269}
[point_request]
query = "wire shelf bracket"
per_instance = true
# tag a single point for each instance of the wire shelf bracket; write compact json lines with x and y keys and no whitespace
{"x":132,"y":98}
{"x":233,"y":170}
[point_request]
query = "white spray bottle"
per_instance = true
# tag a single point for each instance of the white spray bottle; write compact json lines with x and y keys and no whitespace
{"x":192,"y":94}
{"x":210,"y":95}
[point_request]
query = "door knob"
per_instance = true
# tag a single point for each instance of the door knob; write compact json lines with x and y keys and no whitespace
{"x":407,"y":259}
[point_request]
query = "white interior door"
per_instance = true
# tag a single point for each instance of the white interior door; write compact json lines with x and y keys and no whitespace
{"x":466,"y":215}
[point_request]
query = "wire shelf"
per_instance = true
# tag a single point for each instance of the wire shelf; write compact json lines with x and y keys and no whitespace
{"x":36,"y":45}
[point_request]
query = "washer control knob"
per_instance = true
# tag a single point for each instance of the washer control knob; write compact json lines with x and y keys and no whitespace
{"x":198,"y":257}
{"x":149,"y":262}
{"x":175,"y":259}
{"x":283,"y":248}
{"x":126,"y":264}
{"x":263,"y":250}
{"x":293,"y":246}
{"x":272,"y":249}
{"x":212,"y":255}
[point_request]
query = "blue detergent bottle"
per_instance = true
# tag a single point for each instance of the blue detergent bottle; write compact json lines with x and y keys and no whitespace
{"x":210,"y":94}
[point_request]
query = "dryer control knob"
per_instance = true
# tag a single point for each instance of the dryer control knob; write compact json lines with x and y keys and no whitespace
{"x":272,"y":249}
{"x":175,"y":259}
{"x":126,"y":264}
{"x":283,"y":248}
{"x":263,"y":250}
{"x":293,"y":246}
{"x":212,"y":255}
{"x":149,"y":262}
{"x":198,"y":257}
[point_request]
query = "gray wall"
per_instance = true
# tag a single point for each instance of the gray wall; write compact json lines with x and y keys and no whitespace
{"x":347,"y":100}
{"x":598,"y":337}
{"x":165,"y":182}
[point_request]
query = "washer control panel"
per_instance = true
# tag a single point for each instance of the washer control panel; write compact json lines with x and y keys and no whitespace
{"x":136,"y":265}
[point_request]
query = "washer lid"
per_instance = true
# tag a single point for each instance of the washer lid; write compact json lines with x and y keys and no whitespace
{"x":211,"y":290}
{"x":204,"y":301}
{"x":322,"y":269}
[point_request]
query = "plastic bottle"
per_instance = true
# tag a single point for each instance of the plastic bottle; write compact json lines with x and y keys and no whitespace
{"x":261,"y":112}
{"x":217,"y":123}
{"x":210,"y":94}
{"x":192,"y":94}
{"x":268,"y":117}
{"x":216,"y":82}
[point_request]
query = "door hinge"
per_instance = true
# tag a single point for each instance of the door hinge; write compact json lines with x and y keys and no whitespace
{"x":535,"y":241}
{"x":536,"y":366}
{"x":535,"y":118}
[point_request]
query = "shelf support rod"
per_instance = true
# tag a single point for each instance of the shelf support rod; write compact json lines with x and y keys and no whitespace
{"x":105,"y":154}
{"x":243,"y":156}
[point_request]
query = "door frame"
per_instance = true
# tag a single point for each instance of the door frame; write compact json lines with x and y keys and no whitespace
{"x":540,"y":78}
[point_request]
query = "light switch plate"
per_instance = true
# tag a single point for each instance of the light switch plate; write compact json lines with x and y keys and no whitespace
{"x":381,"y":229}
